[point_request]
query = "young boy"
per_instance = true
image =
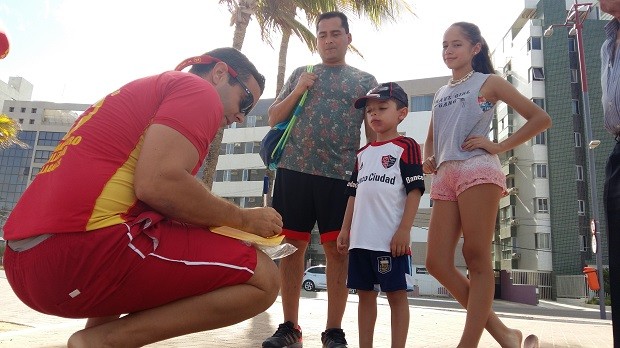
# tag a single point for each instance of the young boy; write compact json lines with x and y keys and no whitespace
{"x":384,"y":191}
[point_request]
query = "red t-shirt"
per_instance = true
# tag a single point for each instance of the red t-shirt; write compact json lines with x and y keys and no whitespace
{"x":87,"y":183}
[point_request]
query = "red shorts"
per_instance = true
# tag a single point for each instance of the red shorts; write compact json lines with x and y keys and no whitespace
{"x":118,"y":269}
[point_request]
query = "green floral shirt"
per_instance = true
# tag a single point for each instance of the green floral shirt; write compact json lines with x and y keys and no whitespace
{"x":326,"y":136}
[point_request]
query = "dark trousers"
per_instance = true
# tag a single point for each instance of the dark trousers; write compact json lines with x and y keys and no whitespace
{"x":612,"y":210}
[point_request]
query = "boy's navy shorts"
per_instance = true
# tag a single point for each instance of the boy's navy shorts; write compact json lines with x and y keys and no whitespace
{"x":378,"y":270}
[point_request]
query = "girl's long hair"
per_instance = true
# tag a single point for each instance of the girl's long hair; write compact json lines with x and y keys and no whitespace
{"x":482,"y":61}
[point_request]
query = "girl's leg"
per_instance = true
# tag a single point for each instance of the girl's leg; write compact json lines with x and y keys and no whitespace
{"x":367,"y":316}
{"x":443,"y":235}
{"x":399,"y":307}
{"x":478,"y":211}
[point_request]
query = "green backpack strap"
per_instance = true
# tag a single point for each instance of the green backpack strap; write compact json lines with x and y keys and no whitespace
{"x":291,"y":122}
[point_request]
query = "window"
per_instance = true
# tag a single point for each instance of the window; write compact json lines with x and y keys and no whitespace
{"x":34,"y":110}
{"x":534,"y":43}
{"x":236,"y":174}
{"x":11,"y":108}
{"x":226,"y":175}
{"x":421,"y":103}
{"x":31,"y":121}
{"x":542,"y":241}
{"x":540,"y":102}
{"x":249,"y":146}
{"x":581,"y":207}
{"x":510,"y":181}
{"x":23,"y":110}
{"x":577,"y":139}
{"x":541,"y":205}
{"x":574,"y":75}
{"x":256,"y":174}
{"x":21,"y":121}
{"x":34,"y":172}
{"x":537,"y":74}
{"x":571,"y":44}
{"x":575,"y":106}
{"x":579,"y":173}
{"x":219,"y":175}
{"x":230,"y":148}
{"x":49,"y":138}
{"x":250,"y":121}
{"x":507,"y":245}
{"x":539,"y":170}
{"x":41,"y":156}
{"x":506,"y":214}
{"x":583,"y":243}
{"x":541,"y":138}
{"x":253,"y":202}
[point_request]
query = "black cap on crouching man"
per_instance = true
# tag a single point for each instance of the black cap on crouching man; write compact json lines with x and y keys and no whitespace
{"x":385,"y":91}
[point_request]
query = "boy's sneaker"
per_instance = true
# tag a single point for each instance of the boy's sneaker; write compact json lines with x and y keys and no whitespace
{"x":333,"y":338}
{"x":286,"y":336}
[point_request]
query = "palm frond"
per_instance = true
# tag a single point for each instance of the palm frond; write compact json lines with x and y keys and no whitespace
{"x":9,"y":129}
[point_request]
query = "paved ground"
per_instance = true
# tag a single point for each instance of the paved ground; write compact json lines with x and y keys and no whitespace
{"x":430,"y":327}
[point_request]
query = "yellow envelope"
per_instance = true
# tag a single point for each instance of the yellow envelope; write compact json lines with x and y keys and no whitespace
{"x":249,"y":237}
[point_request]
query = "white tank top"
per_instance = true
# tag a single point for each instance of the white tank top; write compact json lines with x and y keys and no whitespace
{"x":458,"y":113}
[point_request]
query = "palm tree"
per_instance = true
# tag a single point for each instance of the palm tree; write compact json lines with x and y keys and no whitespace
{"x":9,"y":128}
{"x":280,"y":16}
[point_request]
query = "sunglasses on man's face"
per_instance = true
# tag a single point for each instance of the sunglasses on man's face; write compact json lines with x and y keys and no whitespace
{"x":246,"y":103}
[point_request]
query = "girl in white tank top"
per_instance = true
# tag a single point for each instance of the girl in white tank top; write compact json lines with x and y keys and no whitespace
{"x":457,"y":135}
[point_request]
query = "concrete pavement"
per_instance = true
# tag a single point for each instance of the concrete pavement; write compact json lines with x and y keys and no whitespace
{"x":429,"y":327}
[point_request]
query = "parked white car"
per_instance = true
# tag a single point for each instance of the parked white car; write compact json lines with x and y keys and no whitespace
{"x":314,"y":279}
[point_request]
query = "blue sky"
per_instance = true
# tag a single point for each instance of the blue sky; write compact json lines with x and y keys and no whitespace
{"x":79,"y":50}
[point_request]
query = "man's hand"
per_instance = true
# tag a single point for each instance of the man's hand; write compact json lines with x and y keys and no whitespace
{"x":265,"y":222}
{"x":305,"y":82}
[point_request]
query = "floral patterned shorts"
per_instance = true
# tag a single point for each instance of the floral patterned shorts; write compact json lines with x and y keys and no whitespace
{"x":454,"y":177}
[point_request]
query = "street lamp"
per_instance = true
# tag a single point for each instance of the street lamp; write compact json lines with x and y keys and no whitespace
{"x":574,"y":21}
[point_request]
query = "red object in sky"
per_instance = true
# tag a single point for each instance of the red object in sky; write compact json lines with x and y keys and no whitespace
{"x":4,"y":44}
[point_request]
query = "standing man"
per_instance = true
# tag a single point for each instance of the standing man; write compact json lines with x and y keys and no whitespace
{"x":313,"y":172}
{"x":115,"y":222}
{"x":610,"y":80}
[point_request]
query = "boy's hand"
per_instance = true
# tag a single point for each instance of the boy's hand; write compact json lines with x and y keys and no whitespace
{"x":400,"y":243}
{"x":429,"y":165}
{"x":342,"y":243}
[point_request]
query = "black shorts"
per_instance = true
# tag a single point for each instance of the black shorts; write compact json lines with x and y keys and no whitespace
{"x":304,"y":199}
{"x":379,"y":271}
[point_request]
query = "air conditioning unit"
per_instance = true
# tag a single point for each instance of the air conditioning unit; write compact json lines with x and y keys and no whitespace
{"x":516,"y":256}
{"x":514,"y":222}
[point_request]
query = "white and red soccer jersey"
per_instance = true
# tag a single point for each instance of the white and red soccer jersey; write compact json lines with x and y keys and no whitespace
{"x":385,"y":172}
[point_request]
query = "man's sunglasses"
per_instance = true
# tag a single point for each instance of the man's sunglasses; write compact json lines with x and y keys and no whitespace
{"x":246,"y":103}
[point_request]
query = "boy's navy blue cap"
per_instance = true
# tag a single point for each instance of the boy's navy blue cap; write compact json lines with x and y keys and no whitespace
{"x":384,"y":91}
